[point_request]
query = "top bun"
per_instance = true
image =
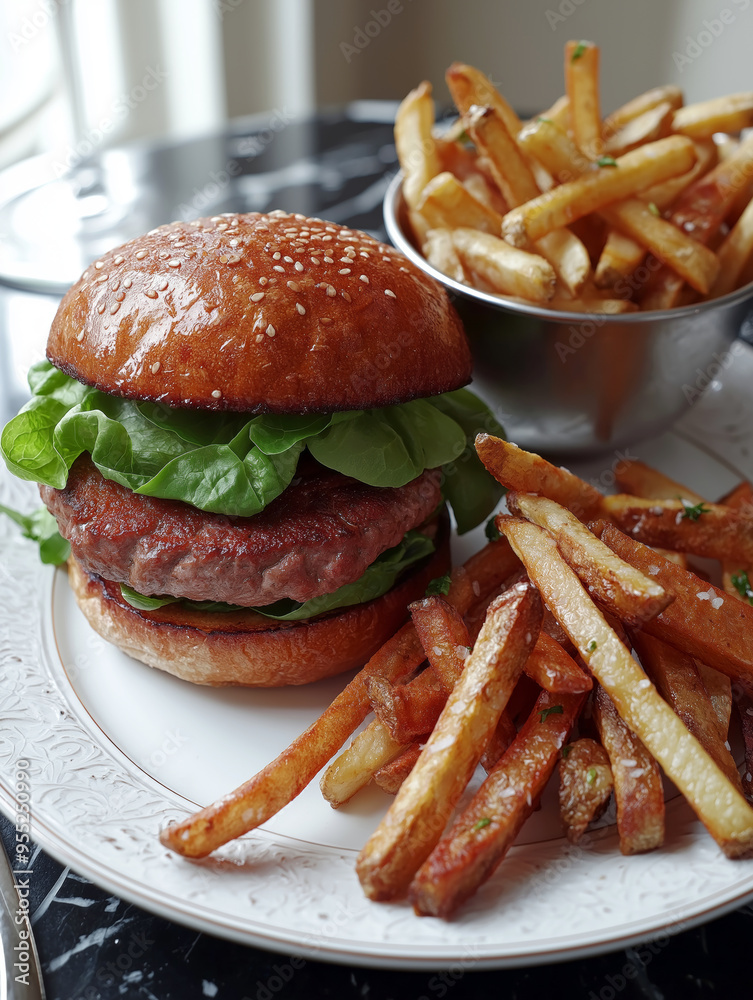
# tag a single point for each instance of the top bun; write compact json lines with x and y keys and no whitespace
{"x":262,"y":313}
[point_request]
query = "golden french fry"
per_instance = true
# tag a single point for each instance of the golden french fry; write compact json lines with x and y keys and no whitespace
{"x":549,"y":143}
{"x":390,"y":776}
{"x":559,"y":113}
{"x":415,"y":821}
{"x":415,"y":144}
{"x":469,"y":86}
{"x":480,"y":838}
{"x":634,"y":476}
{"x":679,"y":683}
{"x":702,"y":620}
{"x":440,"y":252}
{"x":582,"y":86}
{"x":354,"y":768}
{"x":445,"y":203}
{"x":569,"y":258}
{"x":638,"y":788}
{"x":585,"y":786}
{"x":506,"y":269}
{"x":735,"y":253}
{"x":694,"y":262}
{"x":619,"y":258}
{"x":640,"y":105}
{"x":593,"y":191}
{"x":708,"y":530}
{"x":732,"y":113}
{"x":665,"y":194}
{"x":408,"y":711}
{"x":719,"y":689}
{"x":521,"y":470}
{"x":595,"y":305}
{"x":653,"y":124}
{"x":634,"y":596}
{"x":717,"y":803}
{"x":510,"y":170}
{"x":555,"y":670}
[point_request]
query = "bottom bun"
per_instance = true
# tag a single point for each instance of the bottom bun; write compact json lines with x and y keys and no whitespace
{"x":245,"y":648}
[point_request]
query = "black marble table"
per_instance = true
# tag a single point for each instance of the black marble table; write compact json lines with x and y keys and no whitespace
{"x":95,"y":946}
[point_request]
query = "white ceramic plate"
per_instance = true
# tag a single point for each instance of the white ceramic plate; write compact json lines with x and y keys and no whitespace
{"x":114,"y":750}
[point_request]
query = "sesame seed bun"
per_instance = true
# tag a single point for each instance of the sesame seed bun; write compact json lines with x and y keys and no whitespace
{"x":244,"y":648}
{"x":261,"y":313}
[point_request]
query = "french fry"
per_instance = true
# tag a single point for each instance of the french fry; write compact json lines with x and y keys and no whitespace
{"x":419,"y":813}
{"x":255,"y":801}
{"x":700,"y":211}
{"x":585,"y":786}
{"x":708,"y":530}
{"x":745,"y":708}
{"x":505,"y":268}
{"x":719,"y":689}
{"x":549,"y":142}
{"x":559,"y":113}
{"x":619,"y":258}
{"x":640,"y":105}
{"x":526,"y":472}
{"x":444,"y":636}
{"x":665,"y":194}
{"x":732,"y":113}
{"x":637,"y":781}
{"x":569,"y":258}
{"x":650,"y":164}
{"x":390,"y":776}
{"x":737,"y":576}
{"x":469,"y":86}
{"x":440,"y":252}
{"x":416,"y":148}
{"x":633,"y":595}
{"x":694,"y":262}
{"x":718,"y":804}
{"x":494,"y":140}
{"x":353,"y":769}
{"x":408,"y":711}
{"x":634,"y":476}
{"x":735,"y":253}
{"x":582,"y":86}
{"x":612,"y":307}
{"x":679,"y":683}
{"x":702,"y":620}
{"x":555,"y":670}
{"x":445,"y":203}
{"x":479,"y":839}
{"x":655,"y":123}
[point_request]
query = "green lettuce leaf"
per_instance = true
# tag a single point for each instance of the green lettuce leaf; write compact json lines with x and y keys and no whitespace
{"x":41,"y":527}
{"x":229,"y":464}
{"x":378,"y":578}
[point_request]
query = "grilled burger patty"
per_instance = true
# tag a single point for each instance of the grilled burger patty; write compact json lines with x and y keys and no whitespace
{"x":318,"y":535}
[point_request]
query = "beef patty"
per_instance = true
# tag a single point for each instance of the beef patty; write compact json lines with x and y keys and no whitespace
{"x":321,"y":533}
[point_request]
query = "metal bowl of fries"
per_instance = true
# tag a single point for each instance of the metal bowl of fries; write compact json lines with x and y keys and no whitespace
{"x":583,"y":382}
{"x":602,"y":266}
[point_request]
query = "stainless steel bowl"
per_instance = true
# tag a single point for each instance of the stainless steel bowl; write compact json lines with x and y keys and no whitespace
{"x":584,"y":383}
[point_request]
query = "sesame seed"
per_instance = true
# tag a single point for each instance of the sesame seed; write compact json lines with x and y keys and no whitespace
{"x":173,"y":263}
{"x":101,"y":308}
{"x":314,"y":260}
{"x":234,"y":243}
{"x":222,"y":227}
{"x":325,"y":238}
{"x":298,"y":266}
{"x":388,"y":259}
{"x":364,"y":278}
{"x":127,"y":283}
{"x":263,"y":281}
{"x":344,"y":270}
{"x":163,"y":254}
{"x":162,"y":285}
{"x":363,"y":254}
{"x":150,"y":293}
{"x":347,"y":297}
{"x":329,"y":260}
{"x":388,"y":291}
{"x":99,"y":264}
{"x":300,"y":308}
{"x":118,"y":259}
{"x":259,"y":338}
{"x":257,"y":296}
{"x":120,"y":296}
{"x":279,"y":267}
{"x":155,"y":367}
{"x":294,"y":286}
{"x":115,"y":286}
{"x":331,"y":291}
{"x":288,"y":260}
{"x":232,"y":259}
{"x":216,"y":392}
{"x":271,"y":331}
{"x":114,"y":308}
{"x":325,"y":320}
{"x":345,"y":260}
{"x":140,"y":254}
{"x":276,"y":255}
{"x":80,"y":336}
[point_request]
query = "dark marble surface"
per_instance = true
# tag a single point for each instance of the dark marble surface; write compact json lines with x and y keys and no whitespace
{"x":94,"y":946}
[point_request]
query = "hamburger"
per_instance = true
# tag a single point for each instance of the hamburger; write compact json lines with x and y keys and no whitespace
{"x":246,"y":428}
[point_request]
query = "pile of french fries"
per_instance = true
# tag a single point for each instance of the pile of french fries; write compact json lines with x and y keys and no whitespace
{"x":526,"y":663}
{"x":648,"y":208}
